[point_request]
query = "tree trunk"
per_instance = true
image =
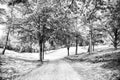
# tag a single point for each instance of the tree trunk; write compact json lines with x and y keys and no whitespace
{"x":7,"y":37}
{"x":88,"y":48}
{"x":76,"y":46}
{"x":30,"y":44}
{"x":43,"y":51}
{"x":68,"y":45}
{"x":68,"y":50}
{"x":6,"y":42}
{"x":90,"y":43}
{"x":41,"y":48}
{"x":115,"y":39}
{"x":43,"y":40}
{"x":40,"y":41}
{"x":115,"y":46}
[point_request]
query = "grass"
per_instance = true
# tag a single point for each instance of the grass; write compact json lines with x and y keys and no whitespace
{"x":13,"y":67}
{"x":101,"y":65}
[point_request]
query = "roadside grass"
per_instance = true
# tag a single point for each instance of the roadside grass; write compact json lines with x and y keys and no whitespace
{"x":101,"y":65}
{"x":11,"y":67}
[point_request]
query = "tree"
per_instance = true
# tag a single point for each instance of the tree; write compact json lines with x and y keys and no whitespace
{"x":9,"y":25}
{"x":89,"y":14}
{"x":40,"y":26}
{"x":63,"y":35}
{"x":110,"y":21}
{"x":9,"y":22}
{"x":114,"y":24}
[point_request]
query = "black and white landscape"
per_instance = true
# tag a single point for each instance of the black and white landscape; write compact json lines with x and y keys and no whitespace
{"x":59,"y":39}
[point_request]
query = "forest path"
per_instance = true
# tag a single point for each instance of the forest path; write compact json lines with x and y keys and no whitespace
{"x":53,"y":70}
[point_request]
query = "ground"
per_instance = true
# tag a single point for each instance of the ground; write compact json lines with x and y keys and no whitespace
{"x":54,"y":70}
{"x":100,"y":65}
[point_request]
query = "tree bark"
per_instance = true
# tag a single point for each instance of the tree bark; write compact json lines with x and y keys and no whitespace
{"x":68,"y":50}
{"x":115,"y":39}
{"x":41,"y":50}
{"x":115,"y":46}
{"x":88,"y":48}
{"x":43,"y":40}
{"x":90,"y":42}
{"x":76,"y":46}
{"x":40,"y":41}
{"x":7,"y":37}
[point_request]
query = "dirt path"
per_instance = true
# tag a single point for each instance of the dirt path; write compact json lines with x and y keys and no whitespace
{"x":56,"y":70}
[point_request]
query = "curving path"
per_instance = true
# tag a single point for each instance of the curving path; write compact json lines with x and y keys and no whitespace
{"x":55,"y":70}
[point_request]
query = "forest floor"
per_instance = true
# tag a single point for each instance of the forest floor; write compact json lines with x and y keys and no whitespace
{"x":103,"y":64}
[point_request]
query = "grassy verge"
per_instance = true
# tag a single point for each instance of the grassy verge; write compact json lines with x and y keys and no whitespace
{"x":102,"y":65}
{"x":11,"y":68}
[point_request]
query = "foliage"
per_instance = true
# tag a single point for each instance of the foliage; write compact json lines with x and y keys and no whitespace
{"x":62,"y":22}
{"x":111,"y":25}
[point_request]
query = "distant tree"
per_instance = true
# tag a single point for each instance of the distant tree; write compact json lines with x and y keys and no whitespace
{"x":89,"y":14}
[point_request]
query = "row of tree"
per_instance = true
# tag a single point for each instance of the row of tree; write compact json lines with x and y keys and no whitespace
{"x":62,"y":22}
